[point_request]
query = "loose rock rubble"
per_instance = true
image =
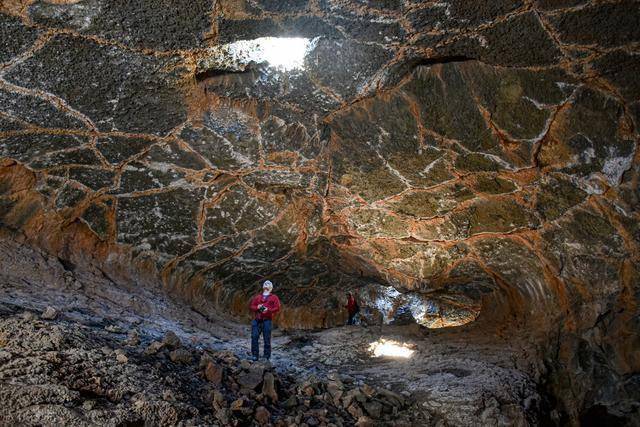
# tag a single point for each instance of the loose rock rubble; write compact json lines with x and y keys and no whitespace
{"x":64,"y":372}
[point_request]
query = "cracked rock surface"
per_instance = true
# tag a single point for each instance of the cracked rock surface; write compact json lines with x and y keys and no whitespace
{"x":455,"y":164}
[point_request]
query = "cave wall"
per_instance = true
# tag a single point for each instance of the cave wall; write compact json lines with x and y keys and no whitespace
{"x":457,"y":161}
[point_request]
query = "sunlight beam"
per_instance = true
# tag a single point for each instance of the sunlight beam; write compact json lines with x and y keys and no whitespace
{"x":389,"y":348}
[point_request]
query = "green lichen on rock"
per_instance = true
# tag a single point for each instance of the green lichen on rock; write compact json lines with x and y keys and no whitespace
{"x":515,"y":263}
{"x":141,"y":177}
{"x":96,"y":216}
{"x":15,"y":36}
{"x":492,"y":184}
{"x":154,"y":24}
{"x":556,"y":196}
{"x":499,"y":215}
{"x":477,"y":162}
{"x":165,"y":222}
{"x":587,"y":249}
{"x":375,"y":222}
{"x":237,"y":211}
{"x":422,"y":261}
{"x":462,"y":121}
{"x":588,"y":138}
{"x":372,"y":183}
{"x":148,"y":100}
{"x":519,"y":101}
{"x":69,"y":197}
{"x":117,"y":149}
{"x":427,"y":204}
{"x":93,"y":178}
{"x":29,"y":147}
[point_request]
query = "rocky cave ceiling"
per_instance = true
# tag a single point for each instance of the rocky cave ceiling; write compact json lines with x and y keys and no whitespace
{"x":453,"y":162}
{"x":427,"y":154}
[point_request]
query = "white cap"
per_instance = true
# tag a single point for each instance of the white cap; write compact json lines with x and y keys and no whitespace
{"x":267,"y":285}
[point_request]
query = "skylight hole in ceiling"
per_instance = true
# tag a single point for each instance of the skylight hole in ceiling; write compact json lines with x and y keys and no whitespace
{"x":281,"y":53}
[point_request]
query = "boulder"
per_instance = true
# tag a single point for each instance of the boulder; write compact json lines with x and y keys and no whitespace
{"x":114,"y":329}
{"x":171,"y":340}
{"x":224,"y":416}
{"x":351,"y":396}
{"x":242,"y":406}
{"x":252,"y":377}
{"x":237,"y":404}
{"x":355,"y":410}
{"x":394,"y":399}
{"x":335,"y":389}
{"x":214,"y":372}
{"x":365,"y":422}
{"x":368,"y":390}
{"x":219,"y":401}
{"x":262,"y":415}
{"x":133,"y":338}
{"x":27,"y":315}
{"x":49,"y":313}
{"x":204,"y":361}
{"x":291,"y":402}
{"x":373,"y":408}
{"x":153,"y":348}
{"x":180,"y":355}
{"x":269,"y":387}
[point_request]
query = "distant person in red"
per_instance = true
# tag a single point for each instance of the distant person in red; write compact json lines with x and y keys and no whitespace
{"x":352,"y":308}
{"x":263,"y":306}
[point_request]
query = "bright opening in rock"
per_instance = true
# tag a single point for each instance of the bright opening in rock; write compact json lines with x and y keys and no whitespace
{"x":283,"y":53}
{"x":388,"y":348}
{"x":459,"y":178}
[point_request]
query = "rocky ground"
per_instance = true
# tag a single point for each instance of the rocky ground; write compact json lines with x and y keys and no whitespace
{"x":100,"y":356}
{"x":60,"y":372}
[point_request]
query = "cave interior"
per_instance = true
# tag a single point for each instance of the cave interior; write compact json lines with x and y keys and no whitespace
{"x":469,"y":170}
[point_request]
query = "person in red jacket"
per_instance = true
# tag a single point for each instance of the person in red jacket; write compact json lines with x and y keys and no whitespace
{"x":352,"y":308}
{"x":263,"y":306}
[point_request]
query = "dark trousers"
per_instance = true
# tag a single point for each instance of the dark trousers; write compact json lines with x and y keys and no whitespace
{"x":351,"y":318}
{"x":261,"y":327}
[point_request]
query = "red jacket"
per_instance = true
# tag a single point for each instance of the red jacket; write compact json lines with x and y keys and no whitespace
{"x":270,"y":301}
{"x":352,"y":307}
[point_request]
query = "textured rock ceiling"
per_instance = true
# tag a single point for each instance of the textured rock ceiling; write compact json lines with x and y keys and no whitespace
{"x":456,"y":148}
{"x":443,"y":158}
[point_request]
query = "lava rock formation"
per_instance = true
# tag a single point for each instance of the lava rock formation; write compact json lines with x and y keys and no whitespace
{"x":455,"y":164}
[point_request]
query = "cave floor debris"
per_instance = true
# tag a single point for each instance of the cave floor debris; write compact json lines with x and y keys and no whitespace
{"x":454,"y":375}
